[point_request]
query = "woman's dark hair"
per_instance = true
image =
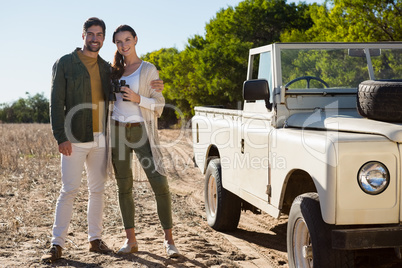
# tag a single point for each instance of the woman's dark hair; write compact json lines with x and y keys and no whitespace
{"x":94,"y":22}
{"x":118,"y":61}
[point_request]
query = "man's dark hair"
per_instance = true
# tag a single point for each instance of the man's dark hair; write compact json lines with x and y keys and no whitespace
{"x":94,"y":22}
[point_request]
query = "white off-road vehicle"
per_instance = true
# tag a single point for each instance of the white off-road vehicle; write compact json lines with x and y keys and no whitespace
{"x":319,"y":139}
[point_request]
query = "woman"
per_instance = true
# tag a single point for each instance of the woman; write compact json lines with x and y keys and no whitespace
{"x":134,"y":127}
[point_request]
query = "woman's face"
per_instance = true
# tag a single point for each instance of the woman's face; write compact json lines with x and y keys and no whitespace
{"x":125,"y":43}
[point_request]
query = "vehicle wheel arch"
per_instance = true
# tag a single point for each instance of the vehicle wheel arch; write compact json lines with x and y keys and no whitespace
{"x":297,"y":182}
{"x":212,"y":153}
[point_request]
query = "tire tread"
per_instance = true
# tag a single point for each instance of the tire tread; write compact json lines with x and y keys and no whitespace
{"x":229,"y":205}
{"x":380,"y":100}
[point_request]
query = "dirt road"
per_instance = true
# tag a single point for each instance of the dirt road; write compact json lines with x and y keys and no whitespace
{"x":28,"y":192}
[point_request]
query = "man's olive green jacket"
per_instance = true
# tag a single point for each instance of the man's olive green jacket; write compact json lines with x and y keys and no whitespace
{"x":71,"y":98}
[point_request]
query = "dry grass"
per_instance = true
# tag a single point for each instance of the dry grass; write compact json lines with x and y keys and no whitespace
{"x":28,"y":178}
{"x":29,"y":188}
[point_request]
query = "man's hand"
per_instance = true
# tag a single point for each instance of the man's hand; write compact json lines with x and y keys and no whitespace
{"x":66,"y":148}
{"x":157,"y":84}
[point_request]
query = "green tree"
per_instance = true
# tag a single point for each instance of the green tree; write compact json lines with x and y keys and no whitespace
{"x":33,"y":109}
{"x":260,"y":22}
{"x":39,"y":106}
{"x":211,"y":69}
{"x":163,"y":59}
{"x":352,"y":21}
{"x":229,"y":36}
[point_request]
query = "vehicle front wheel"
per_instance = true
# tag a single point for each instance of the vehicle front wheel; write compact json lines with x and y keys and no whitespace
{"x":309,"y":237}
{"x":222,"y":207}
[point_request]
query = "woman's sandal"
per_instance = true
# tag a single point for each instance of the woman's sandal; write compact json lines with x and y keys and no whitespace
{"x":171,"y":250}
{"x":128,"y":248}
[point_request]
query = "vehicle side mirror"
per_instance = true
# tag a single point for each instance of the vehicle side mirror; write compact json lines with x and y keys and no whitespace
{"x":257,"y":89}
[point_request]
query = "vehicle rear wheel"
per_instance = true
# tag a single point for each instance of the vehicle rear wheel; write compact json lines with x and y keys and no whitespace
{"x":309,"y":237}
{"x":222,"y":207}
{"x":380,"y":100}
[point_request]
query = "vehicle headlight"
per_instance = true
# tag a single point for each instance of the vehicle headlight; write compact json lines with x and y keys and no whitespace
{"x":373,"y":177}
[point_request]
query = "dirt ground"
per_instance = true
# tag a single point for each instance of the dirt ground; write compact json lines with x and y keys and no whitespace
{"x":29,"y":189}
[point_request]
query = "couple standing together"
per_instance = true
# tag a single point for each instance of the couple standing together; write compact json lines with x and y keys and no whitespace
{"x":79,"y":106}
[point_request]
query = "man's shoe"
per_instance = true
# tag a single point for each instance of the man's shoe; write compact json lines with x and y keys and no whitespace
{"x":99,"y":246}
{"x":171,"y":250}
{"x":53,"y":254}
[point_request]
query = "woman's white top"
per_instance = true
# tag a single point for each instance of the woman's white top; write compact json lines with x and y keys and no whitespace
{"x":127,"y":111}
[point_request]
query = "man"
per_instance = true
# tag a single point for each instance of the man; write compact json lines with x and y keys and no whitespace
{"x":78,"y":108}
{"x":78,"y":112}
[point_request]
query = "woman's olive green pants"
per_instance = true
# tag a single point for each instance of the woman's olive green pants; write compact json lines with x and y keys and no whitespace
{"x":125,"y":140}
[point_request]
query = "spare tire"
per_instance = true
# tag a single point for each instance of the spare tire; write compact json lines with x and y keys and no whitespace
{"x":380,"y":100}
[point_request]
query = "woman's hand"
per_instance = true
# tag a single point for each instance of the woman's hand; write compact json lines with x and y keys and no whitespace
{"x":130,"y":95}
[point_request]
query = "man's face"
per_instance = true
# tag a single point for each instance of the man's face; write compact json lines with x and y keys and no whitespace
{"x":93,"y":38}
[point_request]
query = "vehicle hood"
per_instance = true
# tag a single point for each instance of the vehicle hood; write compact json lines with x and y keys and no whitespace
{"x":346,"y":122}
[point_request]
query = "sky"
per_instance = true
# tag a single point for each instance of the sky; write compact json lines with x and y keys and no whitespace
{"x":34,"y":34}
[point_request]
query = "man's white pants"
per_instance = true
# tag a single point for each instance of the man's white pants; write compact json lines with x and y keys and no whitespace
{"x":93,"y":155}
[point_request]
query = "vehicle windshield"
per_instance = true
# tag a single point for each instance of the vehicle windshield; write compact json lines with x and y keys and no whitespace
{"x":337,"y":68}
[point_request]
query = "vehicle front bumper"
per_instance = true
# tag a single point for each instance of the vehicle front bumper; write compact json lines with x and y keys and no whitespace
{"x":365,"y":238}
